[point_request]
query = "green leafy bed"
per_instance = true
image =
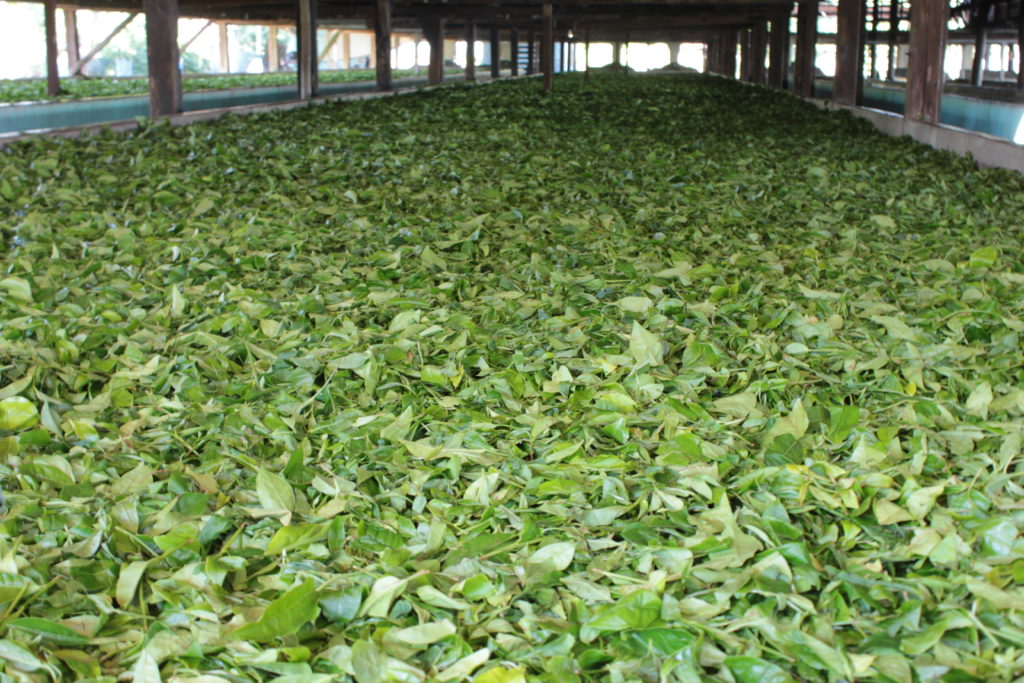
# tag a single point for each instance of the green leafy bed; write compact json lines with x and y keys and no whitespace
{"x":34,"y":89}
{"x":648,"y":379}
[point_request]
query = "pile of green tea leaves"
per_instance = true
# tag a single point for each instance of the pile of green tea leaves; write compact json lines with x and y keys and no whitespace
{"x":34,"y":89}
{"x":657,"y":378}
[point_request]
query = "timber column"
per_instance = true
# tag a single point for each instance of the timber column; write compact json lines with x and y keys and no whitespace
{"x":547,"y":54}
{"x":382,"y":35}
{"x":849,"y":80}
{"x":806,"y":46}
{"x":433,"y":30}
{"x":927,"y":47}
{"x":305,"y":31}
{"x":162,"y":55}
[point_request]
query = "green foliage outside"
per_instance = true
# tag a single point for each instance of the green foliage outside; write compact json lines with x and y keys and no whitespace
{"x":660,"y":378}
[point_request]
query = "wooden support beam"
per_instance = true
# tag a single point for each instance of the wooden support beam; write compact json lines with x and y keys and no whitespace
{"x":778,"y":53}
{"x":586,"y":54}
{"x":729,"y":54}
{"x":470,"y":52}
{"x":513,"y":39}
{"x":495,"y":52}
{"x":346,"y":50}
{"x":617,"y":54}
{"x":746,"y":56}
{"x":759,"y":50}
{"x":334,"y":35}
{"x":531,"y":49}
{"x":1020,"y":48}
{"x":188,"y":43}
{"x":849,"y":79}
{"x":873,"y":42}
{"x":894,"y":28}
{"x":928,"y":20}
{"x":433,"y":30}
{"x":305,"y":31}
{"x":50,"y":22}
{"x":71,"y":38}
{"x":273,"y":52}
{"x":382,"y":37}
{"x":225,"y":64}
{"x":806,"y":47}
{"x":547,"y":47}
{"x":162,"y":55}
{"x":979,"y":63}
{"x":80,"y":64}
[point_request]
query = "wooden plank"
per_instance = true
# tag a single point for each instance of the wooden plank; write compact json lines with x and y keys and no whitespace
{"x":433,"y":30}
{"x":225,"y":64}
{"x":778,"y":53}
{"x":928,"y":20}
{"x":531,"y":49}
{"x":980,"y":61}
{"x":849,"y":78}
{"x":470,"y":51}
{"x":806,"y":47}
{"x":273,"y":52}
{"x":513,"y":39}
{"x":382,"y":38}
{"x":80,"y":64}
{"x":162,"y":57}
{"x":586,"y":54}
{"x":188,"y":43}
{"x":71,"y":38}
{"x":729,"y":53}
{"x":495,"y":52}
{"x":305,"y":32}
{"x":759,"y":50}
{"x":334,"y":35}
{"x":50,"y":23}
{"x":1020,"y":48}
{"x":894,"y":28}
{"x":547,"y":46}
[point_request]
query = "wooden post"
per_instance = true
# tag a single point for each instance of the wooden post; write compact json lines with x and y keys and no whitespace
{"x":305,"y":31}
{"x":778,"y":53}
{"x":746,"y":59}
{"x":980,"y":60}
{"x":617,"y":54}
{"x":849,"y":79}
{"x":382,"y":36}
{"x":759,"y":47}
{"x":225,"y":65}
{"x":514,"y":50}
{"x":894,"y":27}
{"x":273,"y":54}
{"x":531,"y":42}
{"x":513,"y":43}
{"x":928,"y":20}
{"x":547,"y":54}
{"x":433,"y":30}
{"x":162,"y":56}
{"x":806,"y":46}
{"x":495,"y":52}
{"x":470,"y":51}
{"x":346,"y":50}
{"x":71,"y":36}
{"x":586,"y":54}
{"x":1020,"y":48}
{"x":729,"y":54}
{"x":873,"y":46}
{"x":52,"y":74}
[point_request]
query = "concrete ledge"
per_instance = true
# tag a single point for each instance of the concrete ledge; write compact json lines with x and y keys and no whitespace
{"x":986,"y":150}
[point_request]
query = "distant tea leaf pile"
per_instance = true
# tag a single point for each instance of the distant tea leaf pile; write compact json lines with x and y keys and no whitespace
{"x":34,"y":89}
{"x":647,"y":379}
